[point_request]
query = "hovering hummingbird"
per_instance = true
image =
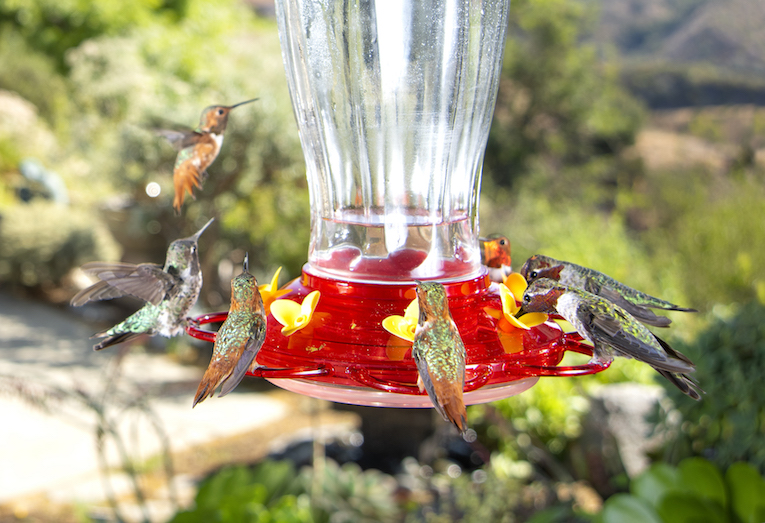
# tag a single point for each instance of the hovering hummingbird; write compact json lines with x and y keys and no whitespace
{"x":611,"y":329}
{"x":440,"y":354}
{"x":495,"y":255}
{"x":169,"y":291}
{"x":238,"y":340}
{"x":637,"y":303}
{"x":197,"y":149}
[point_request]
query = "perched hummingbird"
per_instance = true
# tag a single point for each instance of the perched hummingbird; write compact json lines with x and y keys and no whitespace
{"x":169,"y":291}
{"x":495,"y":255}
{"x":238,"y":340}
{"x":611,"y":329}
{"x":637,"y":303}
{"x":440,"y":354}
{"x":197,"y":149}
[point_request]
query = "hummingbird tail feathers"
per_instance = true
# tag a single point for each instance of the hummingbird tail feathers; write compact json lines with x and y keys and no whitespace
{"x":683,"y":382}
{"x":213,"y":376}
{"x":185,"y":178}
{"x":114,"y":340}
{"x":450,"y":404}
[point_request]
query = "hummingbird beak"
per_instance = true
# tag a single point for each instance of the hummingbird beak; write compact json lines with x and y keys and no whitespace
{"x":246,"y":263}
{"x":242,"y":103}
{"x":200,"y":231}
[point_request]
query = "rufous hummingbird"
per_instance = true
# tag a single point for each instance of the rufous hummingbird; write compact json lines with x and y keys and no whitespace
{"x":197,"y":149}
{"x":611,"y":330}
{"x":170,"y":291}
{"x":238,"y":340}
{"x":495,"y":256}
{"x":439,"y":354}
{"x":637,"y":303}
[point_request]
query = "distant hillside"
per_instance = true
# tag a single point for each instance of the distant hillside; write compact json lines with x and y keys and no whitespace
{"x":688,"y":52}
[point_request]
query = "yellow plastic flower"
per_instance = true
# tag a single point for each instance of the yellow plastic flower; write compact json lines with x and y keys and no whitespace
{"x":293,"y":316}
{"x":510,"y":308}
{"x":404,"y":326}
{"x":270,"y":292}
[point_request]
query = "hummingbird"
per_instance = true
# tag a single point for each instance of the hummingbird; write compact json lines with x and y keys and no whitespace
{"x":197,"y":149}
{"x":238,"y":340}
{"x":611,"y":329}
{"x":495,"y":255}
{"x":170,"y":291}
{"x":637,"y":303}
{"x":439,"y":354}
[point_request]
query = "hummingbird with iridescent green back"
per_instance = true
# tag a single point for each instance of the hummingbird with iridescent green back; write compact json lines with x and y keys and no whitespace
{"x":197,"y":149}
{"x":170,"y":291}
{"x":439,"y":354}
{"x":495,"y":256}
{"x":637,"y":303}
{"x":611,"y":330}
{"x":238,"y":340}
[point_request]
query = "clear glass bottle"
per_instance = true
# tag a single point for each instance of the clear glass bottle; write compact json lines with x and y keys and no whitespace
{"x":393,"y":101}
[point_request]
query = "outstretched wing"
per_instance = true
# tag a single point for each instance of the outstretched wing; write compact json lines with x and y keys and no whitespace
{"x":146,"y":281}
{"x":178,"y":139}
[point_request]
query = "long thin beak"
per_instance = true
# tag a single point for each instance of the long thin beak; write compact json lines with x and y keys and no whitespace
{"x":242,"y":103}
{"x":200,"y":231}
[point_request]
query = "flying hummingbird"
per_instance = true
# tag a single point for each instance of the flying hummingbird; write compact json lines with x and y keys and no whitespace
{"x":611,"y":329}
{"x":439,"y":354}
{"x":238,"y":340}
{"x":495,"y":255}
{"x":170,"y":291}
{"x":197,"y":149}
{"x":637,"y":303}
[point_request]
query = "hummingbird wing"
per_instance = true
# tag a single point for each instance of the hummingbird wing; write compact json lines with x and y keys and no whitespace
{"x":146,"y":281}
{"x":643,"y":314}
{"x":179,"y":139}
{"x":446,"y":395}
{"x":251,"y":349}
{"x":608,"y":328}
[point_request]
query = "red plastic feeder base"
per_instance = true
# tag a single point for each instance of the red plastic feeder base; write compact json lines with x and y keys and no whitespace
{"x":345,"y":355}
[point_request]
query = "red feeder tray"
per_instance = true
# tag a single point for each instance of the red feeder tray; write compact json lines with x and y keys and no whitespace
{"x":345,"y":355}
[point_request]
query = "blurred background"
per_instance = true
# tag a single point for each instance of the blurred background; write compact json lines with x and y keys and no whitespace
{"x":629,"y":136}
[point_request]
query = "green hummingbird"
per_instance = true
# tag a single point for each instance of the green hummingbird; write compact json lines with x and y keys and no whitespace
{"x":197,"y":149}
{"x":238,"y":340}
{"x":611,"y":329}
{"x":170,"y":291}
{"x":439,"y":354}
{"x":637,"y":303}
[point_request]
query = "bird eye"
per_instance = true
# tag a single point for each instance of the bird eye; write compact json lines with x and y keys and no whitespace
{"x":220,"y":112}
{"x":533,"y":274}
{"x":503,"y":242}
{"x":193,"y":248}
{"x":527,"y":298}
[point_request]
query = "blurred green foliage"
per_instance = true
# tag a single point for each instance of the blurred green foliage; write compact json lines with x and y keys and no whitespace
{"x":729,"y":423}
{"x":268,"y":493}
{"x":274,"y":492}
{"x":41,"y":242}
{"x":559,"y":109}
{"x":694,"y":491}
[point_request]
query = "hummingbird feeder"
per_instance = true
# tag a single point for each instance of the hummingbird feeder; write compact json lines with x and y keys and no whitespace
{"x":393,"y":102}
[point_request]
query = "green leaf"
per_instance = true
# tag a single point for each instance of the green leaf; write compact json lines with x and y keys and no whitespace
{"x":747,"y":492}
{"x":655,"y":483}
{"x":623,"y":508}
{"x":702,"y":478}
{"x":690,"y":508}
